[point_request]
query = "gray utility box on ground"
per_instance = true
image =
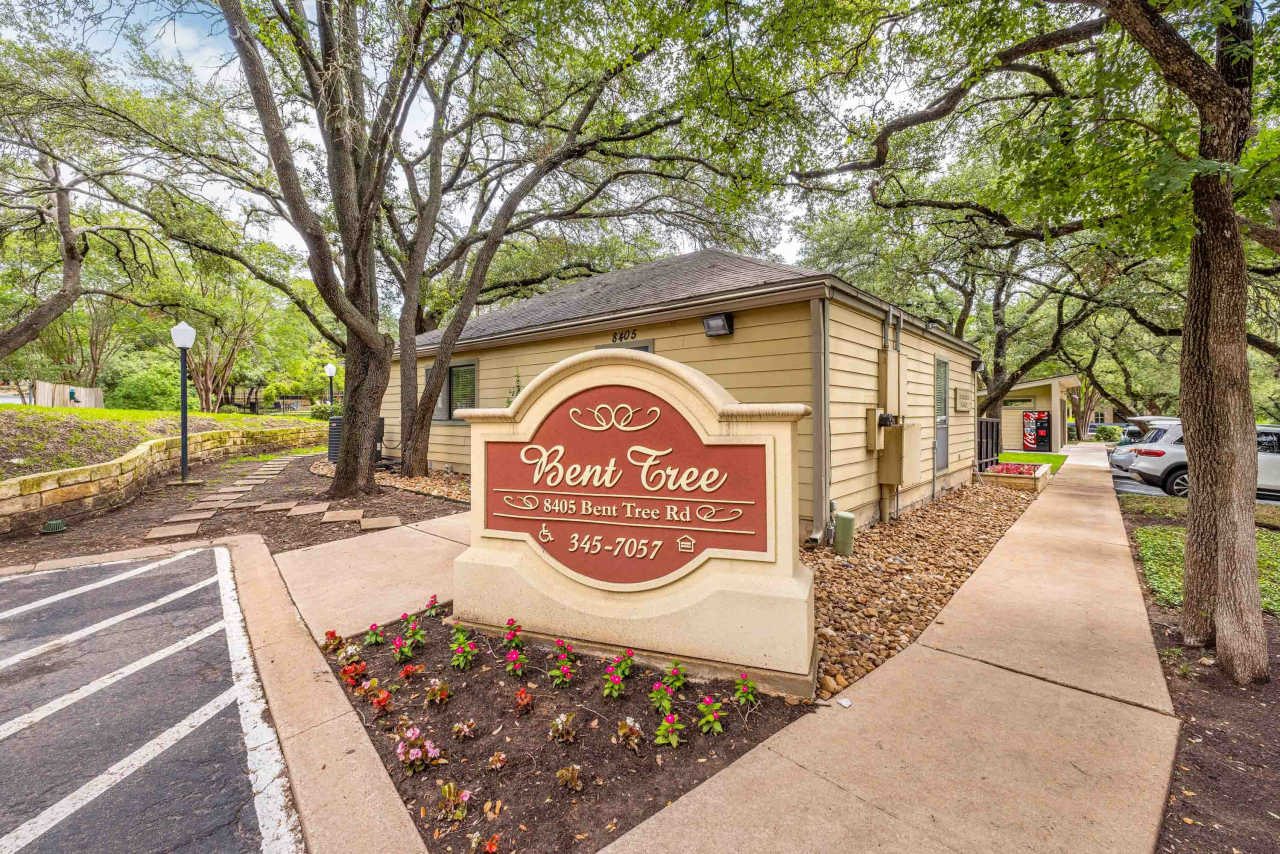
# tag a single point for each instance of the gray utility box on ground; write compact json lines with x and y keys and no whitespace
{"x":900,"y":458}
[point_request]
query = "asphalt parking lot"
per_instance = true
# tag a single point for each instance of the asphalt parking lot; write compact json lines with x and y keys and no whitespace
{"x":131,"y":719}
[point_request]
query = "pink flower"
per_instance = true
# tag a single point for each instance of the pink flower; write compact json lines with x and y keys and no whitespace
{"x":415,"y":754}
{"x":510,"y":635}
{"x":562,"y":657}
{"x":670,"y":719}
{"x":398,"y":642}
{"x":630,"y":653}
{"x":400,"y":748}
{"x":743,"y":675}
{"x":471,"y":646}
{"x":615,"y":679}
{"x":657,"y":686}
{"x":412,"y":732}
{"x":559,"y":642}
{"x":373,"y":627}
{"x":433,"y":752}
{"x":513,"y":655}
{"x":617,"y":659}
{"x":413,"y":626}
{"x":670,"y":690}
{"x":609,"y":669}
{"x":518,"y":667}
{"x":675,"y":671}
{"x":707,"y":699}
{"x":511,"y":621}
{"x":564,"y":668}
{"x":715,"y":716}
{"x":466,"y":795}
{"x":405,"y":615}
{"x":458,"y":650}
{"x":569,"y":647}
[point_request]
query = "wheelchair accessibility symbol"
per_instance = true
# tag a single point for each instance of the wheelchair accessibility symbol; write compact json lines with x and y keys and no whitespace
{"x":544,"y":536}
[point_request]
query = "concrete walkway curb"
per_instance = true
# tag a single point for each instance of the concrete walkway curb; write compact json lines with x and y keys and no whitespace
{"x":1032,"y":716}
{"x":344,"y":799}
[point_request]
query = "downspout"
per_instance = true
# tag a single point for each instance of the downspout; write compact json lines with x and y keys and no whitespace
{"x":819,"y":365}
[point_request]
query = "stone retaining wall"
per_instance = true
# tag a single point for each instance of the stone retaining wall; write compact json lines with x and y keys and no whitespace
{"x":29,"y":501}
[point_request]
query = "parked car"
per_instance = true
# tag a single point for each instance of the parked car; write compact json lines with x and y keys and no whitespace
{"x":1138,"y":431}
{"x":1162,"y":461}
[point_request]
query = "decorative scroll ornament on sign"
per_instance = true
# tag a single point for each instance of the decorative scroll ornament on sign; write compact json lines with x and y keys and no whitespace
{"x":619,"y":417}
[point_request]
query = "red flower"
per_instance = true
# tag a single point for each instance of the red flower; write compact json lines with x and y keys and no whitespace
{"x":491,"y":844}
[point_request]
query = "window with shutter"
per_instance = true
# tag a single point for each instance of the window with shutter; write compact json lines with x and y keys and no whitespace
{"x":940,"y":378}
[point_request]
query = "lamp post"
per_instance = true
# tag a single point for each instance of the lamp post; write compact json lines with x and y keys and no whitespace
{"x":329,"y":370}
{"x":183,"y":337}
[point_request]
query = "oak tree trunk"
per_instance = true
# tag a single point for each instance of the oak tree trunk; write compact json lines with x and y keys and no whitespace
{"x":1222,"y":601}
{"x":367,"y":373}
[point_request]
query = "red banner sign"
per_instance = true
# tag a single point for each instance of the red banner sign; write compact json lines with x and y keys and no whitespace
{"x":617,"y":486}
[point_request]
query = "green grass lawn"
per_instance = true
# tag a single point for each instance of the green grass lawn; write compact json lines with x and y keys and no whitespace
{"x":1054,"y":460}
{"x":37,"y":439}
{"x":1169,"y":507}
{"x":1161,"y":548}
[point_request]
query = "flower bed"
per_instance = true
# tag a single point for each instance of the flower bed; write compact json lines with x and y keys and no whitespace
{"x":1029,"y":477}
{"x":499,"y":745}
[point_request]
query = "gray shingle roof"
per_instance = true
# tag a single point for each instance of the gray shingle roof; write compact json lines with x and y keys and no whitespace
{"x":669,"y":281}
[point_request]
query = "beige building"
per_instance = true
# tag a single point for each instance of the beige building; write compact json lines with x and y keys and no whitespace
{"x":768,"y":333}
{"x":1047,"y":395}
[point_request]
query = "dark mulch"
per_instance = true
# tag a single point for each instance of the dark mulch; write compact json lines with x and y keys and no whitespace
{"x":1224,"y":794}
{"x":620,"y":788}
{"x":125,"y":527}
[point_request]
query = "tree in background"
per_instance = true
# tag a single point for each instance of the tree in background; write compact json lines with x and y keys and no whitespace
{"x":1134,"y":125}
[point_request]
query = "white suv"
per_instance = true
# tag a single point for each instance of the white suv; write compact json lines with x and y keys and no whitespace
{"x":1161,"y":459}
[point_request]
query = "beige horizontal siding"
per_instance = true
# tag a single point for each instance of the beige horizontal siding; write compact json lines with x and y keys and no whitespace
{"x":766,"y":360}
{"x":855,"y":342}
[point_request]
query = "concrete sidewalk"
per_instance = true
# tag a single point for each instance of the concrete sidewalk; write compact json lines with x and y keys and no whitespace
{"x":333,"y":588}
{"x":1032,"y":716}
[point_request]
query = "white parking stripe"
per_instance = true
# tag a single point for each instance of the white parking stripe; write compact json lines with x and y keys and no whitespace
{"x":34,"y":828}
{"x":20,"y":723}
{"x":277,"y":824}
{"x":76,"y":591}
{"x":105,"y":624}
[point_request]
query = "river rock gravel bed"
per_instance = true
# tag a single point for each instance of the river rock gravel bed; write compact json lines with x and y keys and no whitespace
{"x":871,"y":605}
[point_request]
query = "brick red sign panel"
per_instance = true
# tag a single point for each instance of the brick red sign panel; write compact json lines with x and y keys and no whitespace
{"x":617,"y":486}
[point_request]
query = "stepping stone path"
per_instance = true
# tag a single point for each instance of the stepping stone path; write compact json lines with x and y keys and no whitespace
{"x":228,"y":497}
{"x":235,"y":497}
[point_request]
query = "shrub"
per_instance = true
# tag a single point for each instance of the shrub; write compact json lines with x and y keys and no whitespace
{"x":661,"y":696}
{"x":629,"y":734}
{"x":613,"y":687}
{"x":332,"y":641}
{"x":438,"y":693}
{"x":512,"y":639}
{"x":1107,"y":433}
{"x":463,"y":653}
{"x":562,"y":728}
{"x":453,"y":803}
{"x":570,"y":777}
{"x":414,"y":750}
{"x":515,"y":661}
{"x":401,"y":649}
{"x":524,"y":702}
{"x":669,"y":731}
{"x":562,"y":673}
{"x":710,"y":720}
{"x":325,"y":411}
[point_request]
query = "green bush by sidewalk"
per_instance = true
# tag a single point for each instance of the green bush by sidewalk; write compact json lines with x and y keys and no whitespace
{"x":1161,"y":548}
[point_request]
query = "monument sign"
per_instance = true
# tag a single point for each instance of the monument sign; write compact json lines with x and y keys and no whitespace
{"x":626,"y":499}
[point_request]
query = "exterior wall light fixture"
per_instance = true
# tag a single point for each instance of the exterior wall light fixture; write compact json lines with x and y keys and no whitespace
{"x":716,"y":325}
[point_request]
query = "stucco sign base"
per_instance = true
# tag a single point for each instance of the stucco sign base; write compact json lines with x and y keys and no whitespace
{"x":698,"y":488}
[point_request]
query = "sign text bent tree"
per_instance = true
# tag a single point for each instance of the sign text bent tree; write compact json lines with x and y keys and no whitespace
{"x":617,"y":486}
{"x":628,"y":500}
